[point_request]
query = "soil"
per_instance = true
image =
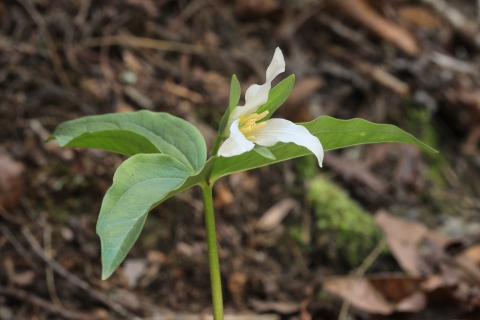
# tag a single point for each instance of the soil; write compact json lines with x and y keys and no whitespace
{"x":411,"y":63}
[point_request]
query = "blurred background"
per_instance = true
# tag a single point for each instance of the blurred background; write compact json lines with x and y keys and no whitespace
{"x":401,"y":222}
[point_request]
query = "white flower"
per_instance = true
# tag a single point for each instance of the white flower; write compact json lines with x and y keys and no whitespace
{"x":247,"y":129}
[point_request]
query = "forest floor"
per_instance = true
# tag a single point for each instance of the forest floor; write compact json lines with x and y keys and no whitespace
{"x":381,"y":232}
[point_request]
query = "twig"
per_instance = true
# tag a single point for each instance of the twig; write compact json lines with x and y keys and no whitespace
{"x":361,"y":11}
{"x":52,"y":49}
{"x":19,"y":248}
{"x":451,"y":63}
{"x":478,"y":10}
{"x":348,"y":33}
{"x":360,"y":271}
{"x":144,"y":43}
{"x":4,"y":213}
{"x":461,"y":24}
{"x":377,"y":73}
{"x":98,"y":295}
{"x":79,"y":19}
{"x":44,"y":304}
{"x":47,"y":240}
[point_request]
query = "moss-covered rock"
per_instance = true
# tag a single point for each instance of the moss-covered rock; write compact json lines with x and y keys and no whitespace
{"x":342,"y":227}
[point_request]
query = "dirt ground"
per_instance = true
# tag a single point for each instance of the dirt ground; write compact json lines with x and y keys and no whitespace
{"x":381,"y":232}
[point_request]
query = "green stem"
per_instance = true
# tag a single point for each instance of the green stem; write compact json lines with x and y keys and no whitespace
{"x":216,"y":146}
{"x":215,"y":279}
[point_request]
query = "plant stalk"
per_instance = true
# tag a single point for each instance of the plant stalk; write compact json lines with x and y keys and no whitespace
{"x":216,"y":146}
{"x":214,"y":264}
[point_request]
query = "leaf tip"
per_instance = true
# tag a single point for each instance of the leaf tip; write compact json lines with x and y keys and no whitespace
{"x":106,"y":273}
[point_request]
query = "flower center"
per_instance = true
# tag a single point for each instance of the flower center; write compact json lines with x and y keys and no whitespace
{"x":248,"y":124}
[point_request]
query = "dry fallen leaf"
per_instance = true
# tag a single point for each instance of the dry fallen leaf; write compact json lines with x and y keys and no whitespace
{"x":274,"y":216}
{"x":366,"y":15}
{"x":360,"y":293}
{"x":474,"y":253}
{"x":133,"y":269}
{"x":236,"y":285}
{"x":403,"y":238}
{"x":303,"y":89}
{"x":223,"y":197}
{"x":281,"y":307}
{"x":419,"y":16}
{"x":381,"y":293}
{"x":24,"y":279}
{"x":255,"y":8}
{"x":11,"y":182}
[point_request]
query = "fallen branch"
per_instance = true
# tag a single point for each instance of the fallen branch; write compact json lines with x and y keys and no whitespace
{"x":464,"y":26}
{"x":144,"y":43}
{"x":361,"y":11}
{"x":44,"y":304}
{"x":377,"y":73}
{"x":98,"y":295}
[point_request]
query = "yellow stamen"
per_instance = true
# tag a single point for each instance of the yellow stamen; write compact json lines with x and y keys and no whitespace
{"x":248,"y":124}
{"x":253,"y":117}
{"x":262,"y":115}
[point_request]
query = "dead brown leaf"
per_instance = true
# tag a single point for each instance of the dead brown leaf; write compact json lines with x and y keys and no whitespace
{"x":133,"y":270}
{"x":294,"y":105}
{"x":24,"y":279}
{"x":474,"y":253}
{"x":419,"y":16}
{"x":364,"y":14}
{"x":148,"y":6}
{"x":403,"y":238}
{"x":360,"y":293}
{"x":353,"y":170}
{"x":380,"y":294}
{"x":281,"y":307}
{"x":11,"y":182}
{"x":255,"y":8}
{"x":223,"y":196}
{"x":274,"y":216}
{"x":236,"y":285}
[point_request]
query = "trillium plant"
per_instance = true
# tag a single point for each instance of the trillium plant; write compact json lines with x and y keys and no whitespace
{"x":168,"y":155}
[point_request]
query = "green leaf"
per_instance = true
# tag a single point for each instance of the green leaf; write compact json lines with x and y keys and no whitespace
{"x":138,"y":132}
{"x":332,"y":133}
{"x":235,"y":92}
{"x":277,"y":96}
{"x":264,"y":152}
{"x":141,"y":183}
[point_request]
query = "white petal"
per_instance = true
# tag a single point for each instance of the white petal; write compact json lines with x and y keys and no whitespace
{"x":236,"y":144}
{"x":277,"y":65}
{"x":257,"y":95}
{"x":281,"y":130}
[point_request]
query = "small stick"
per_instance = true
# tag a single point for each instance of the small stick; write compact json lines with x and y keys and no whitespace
{"x":19,"y":248}
{"x":360,"y":272}
{"x":144,"y":43}
{"x":98,"y":295}
{"x":47,"y":240}
{"x":51,"y":47}
{"x":44,"y":304}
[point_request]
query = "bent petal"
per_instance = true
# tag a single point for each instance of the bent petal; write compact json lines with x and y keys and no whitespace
{"x":257,"y":95}
{"x":281,"y":130}
{"x":277,"y":65}
{"x":236,"y":144}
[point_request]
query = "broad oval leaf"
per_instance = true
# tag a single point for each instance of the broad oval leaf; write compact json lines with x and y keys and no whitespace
{"x":332,"y":133}
{"x":138,"y":132}
{"x":141,"y":183}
